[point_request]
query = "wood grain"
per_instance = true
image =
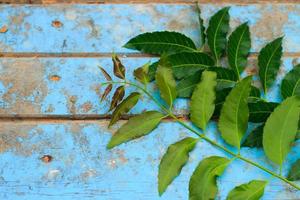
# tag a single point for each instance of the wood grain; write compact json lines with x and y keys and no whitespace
{"x":82,"y":168}
{"x":71,"y":87}
{"x":243,"y":2}
{"x":68,"y":29}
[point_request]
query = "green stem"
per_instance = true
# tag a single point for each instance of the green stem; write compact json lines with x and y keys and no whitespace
{"x":202,"y":136}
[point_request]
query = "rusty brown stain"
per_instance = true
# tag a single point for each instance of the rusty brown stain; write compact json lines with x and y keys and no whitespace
{"x":16,"y":21}
{"x":55,"y":78}
{"x":46,"y":158}
{"x":57,"y":24}
{"x":3,"y":29}
{"x":72,"y":104}
{"x":87,"y":106}
{"x":25,"y":86}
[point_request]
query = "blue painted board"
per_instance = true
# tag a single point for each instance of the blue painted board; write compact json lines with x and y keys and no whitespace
{"x":106,"y":28}
{"x":72,"y":86}
{"x":83,"y":169}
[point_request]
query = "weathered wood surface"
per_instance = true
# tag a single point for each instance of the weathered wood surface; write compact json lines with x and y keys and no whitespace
{"x":65,"y":84}
{"x":106,"y":28}
{"x":72,"y":86}
{"x":81,"y":167}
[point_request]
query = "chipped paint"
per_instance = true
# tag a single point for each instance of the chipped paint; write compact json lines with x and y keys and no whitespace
{"x":82,"y":163}
{"x":69,"y":159}
{"x":106,"y":28}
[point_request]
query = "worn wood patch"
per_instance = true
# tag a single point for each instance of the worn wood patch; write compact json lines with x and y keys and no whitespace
{"x":68,"y":160}
{"x":71,"y":87}
{"x":106,"y":28}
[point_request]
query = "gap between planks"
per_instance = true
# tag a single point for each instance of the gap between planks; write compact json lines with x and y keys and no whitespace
{"x":147,"y":1}
{"x":102,"y":55}
{"x":68,"y":118}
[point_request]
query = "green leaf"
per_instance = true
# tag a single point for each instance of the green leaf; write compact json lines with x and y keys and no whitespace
{"x":294,"y":174}
{"x":255,"y":138}
{"x":124,"y":107}
{"x":172,"y":162}
{"x":165,"y":81}
{"x":203,"y":98}
{"x":152,"y":71}
{"x":281,"y":129}
{"x":220,"y":99}
{"x":186,"y":86}
{"x":119,"y":69}
{"x":234,"y":114}
{"x":260,"y":111}
{"x":185,"y":64}
{"x":222,"y":94}
{"x":252,"y":190}
{"x":225,"y":77}
{"x":269,"y":60}
{"x":217,"y":31}
{"x":141,"y":74}
{"x":290,"y":85}
{"x":118,"y":96}
{"x":239,"y":45}
{"x":161,"y":42}
{"x":136,"y":127}
{"x":201,"y":27}
{"x":202,"y":184}
{"x":254,"y":94}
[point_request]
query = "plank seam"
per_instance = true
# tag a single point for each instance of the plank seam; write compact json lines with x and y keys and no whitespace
{"x":101,"y":55}
{"x":240,"y":2}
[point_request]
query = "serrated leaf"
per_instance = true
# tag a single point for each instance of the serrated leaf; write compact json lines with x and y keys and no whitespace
{"x":152,"y":71}
{"x":217,"y":31}
{"x":252,"y":190}
{"x":234,"y":114}
{"x":161,"y":42}
{"x":221,"y":95}
{"x":165,"y":81}
{"x":202,"y":184}
{"x":254,"y":94}
{"x":259,"y":111}
{"x":269,"y":60}
{"x":105,"y":74}
{"x":185,"y":64}
{"x":124,"y":107}
{"x":186,"y":86}
{"x":136,"y":127}
{"x":106,"y":92}
{"x":119,"y":69}
{"x":203,"y":99}
{"x":281,"y":129}
{"x":290,"y":85}
{"x":118,"y":96}
{"x":226,"y":77}
{"x":220,"y":99}
{"x":239,"y":44}
{"x":294,"y":173}
{"x":201,"y":27}
{"x":255,"y":138}
{"x":172,"y":162}
{"x":141,"y":73}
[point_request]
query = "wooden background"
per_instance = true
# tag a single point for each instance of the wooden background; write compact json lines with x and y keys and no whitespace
{"x":53,"y":129}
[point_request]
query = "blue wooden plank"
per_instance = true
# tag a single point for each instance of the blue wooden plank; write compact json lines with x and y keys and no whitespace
{"x":72,"y":86}
{"x":105,"y":28}
{"x":83,"y":169}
